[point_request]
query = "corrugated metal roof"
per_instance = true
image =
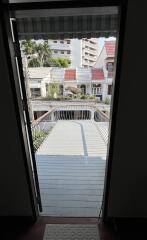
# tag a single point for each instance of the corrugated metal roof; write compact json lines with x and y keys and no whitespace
{"x":39,"y":72}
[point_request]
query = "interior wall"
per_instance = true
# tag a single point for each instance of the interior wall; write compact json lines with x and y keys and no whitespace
{"x":14,"y":193}
{"x":128,"y":191}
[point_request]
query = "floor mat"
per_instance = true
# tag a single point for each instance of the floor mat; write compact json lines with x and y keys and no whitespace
{"x":71,"y":232}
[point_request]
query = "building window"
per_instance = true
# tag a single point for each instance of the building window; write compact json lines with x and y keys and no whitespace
{"x":109,"y":89}
{"x":96,"y":89}
{"x":35,"y":92}
{"x":62,"y":52}
{"x":83,"y":89}
{"x":68,"y":41}
{"x":109,"y":67}
{"x":55,"y":51}
{"x":61,"y":41}
{"x":68,"y":52}
{"x":54,"y":41}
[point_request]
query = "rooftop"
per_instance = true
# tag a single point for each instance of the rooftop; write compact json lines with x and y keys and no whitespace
{"x":97,"y":74}
{"x":110,"y":48}
{"x":70,"y":74}
{"x":39,"y":72}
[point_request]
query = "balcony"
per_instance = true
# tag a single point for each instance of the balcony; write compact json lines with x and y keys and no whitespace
{"x":71,"y":161}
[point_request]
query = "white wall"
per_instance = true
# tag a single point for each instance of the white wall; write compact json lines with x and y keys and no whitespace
{"x":76,"y":56}
{"x":104,"y":91}
{"x":128,"y":188}
{"x":100,"y":63}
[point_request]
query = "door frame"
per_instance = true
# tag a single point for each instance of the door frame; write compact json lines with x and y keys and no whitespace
{"x":122,"y":5}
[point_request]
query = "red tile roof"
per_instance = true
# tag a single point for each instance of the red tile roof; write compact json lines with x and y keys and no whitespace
{"x":70,"y":74}
{"x":110,"y":48}
{"x":97,"y":74}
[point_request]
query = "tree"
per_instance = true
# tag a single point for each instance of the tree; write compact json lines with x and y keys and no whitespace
{"x":34,"y":63}
{"x":53,"y":90}
{"x":29,"y":47}
{"x":63,"y":62}
{"x":37,"y":54}
{"x":44,"y":52}
{"x":57,"y":62}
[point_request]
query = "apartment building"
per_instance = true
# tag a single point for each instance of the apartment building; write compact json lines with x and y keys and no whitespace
{"x":81,"y":52}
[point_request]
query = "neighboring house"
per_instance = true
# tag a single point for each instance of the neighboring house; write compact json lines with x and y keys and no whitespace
{"x":39,"y":78}
{"x":81,"y":52}
{"x":105,"y":61}
{"x":97,"y":80}
{"x":90,"y":81}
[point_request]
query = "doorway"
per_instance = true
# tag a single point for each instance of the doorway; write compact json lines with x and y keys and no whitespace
{"x":71,"y":171}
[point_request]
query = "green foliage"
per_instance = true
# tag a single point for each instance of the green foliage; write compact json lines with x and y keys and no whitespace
{"x":63,"y":62}
{"x":107,"y":101}
{"x":34,"y":63}
{"x":87,"y":97}
{"x":57,"y":62}
{"x":92,"y":97}
{"x":53,"y":89}
{"x":43,"y":53}
{"x":29,"y":47}
{"x":38,"y":137}
{"x":83,"y":97}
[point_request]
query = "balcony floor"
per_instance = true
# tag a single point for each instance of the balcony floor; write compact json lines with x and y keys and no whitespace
{"x":71,"y":168}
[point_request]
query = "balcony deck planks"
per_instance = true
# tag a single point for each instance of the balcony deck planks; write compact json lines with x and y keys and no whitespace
{"x":71,"y":169}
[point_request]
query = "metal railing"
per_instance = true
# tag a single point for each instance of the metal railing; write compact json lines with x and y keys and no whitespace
{"x":40,"y":130}
{"x":43,"y":125}
{"x":100,"y":116}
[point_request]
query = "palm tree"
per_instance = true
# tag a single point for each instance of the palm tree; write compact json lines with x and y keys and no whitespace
{"x":43,"y":52}
{"x":29,"y":47}
{"x":40,"y":52}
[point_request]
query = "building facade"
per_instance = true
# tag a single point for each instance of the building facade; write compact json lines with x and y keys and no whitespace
{"x":90,"y":81}
{"x":81,"y":52}
{"x":95,"y":81}
{"x":105,"y":61}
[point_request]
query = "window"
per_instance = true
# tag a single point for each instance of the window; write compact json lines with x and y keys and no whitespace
{"x":68,"y":52}
{"x":68,"y":41}
{"x":109,"y":66}
{"x":62,"y":52}
{"x":96,"y":89}
{"x":62,"y":41}
{"x":55,"y":41}
{"x":109,"y":89}
{"x":35,"y":92}
{"x":55,"y":51}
